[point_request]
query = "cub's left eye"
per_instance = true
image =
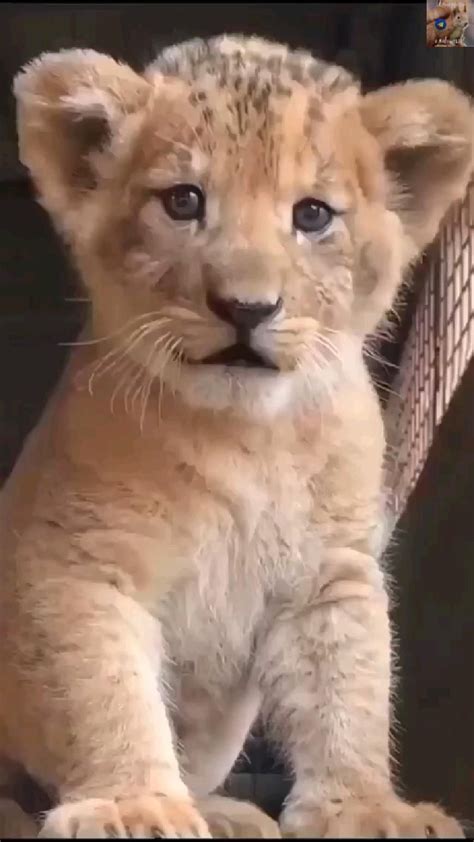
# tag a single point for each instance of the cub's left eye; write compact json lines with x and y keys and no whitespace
{"x":183,"y":202}
{"x":312,"y":216}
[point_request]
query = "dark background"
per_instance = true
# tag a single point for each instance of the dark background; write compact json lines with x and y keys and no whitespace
{"x":382,"y":43}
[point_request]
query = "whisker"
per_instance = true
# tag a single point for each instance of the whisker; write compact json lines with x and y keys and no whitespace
{"x":135,"y":379}
{"x":143,"y":369}
{"x":160,"y":401}
{"x":135,"y":338}
{"x":164,"y":338}
{"x":146,"y":395}
{"x":177,"y":368}
{"x":372,"y":354}
{"x":326,"y":343}
{"x":149,"y":383}
{"x":308,"y":381}
{"x":305,"y":374}
{"x":115,"y":356}
{"x":167,"y":352}
{"x":333,"y":330}
{"x":138,"y":392}
{"x":321,"y":369}
{"x":179,"y":364}
{"x":129,"y":365}
{"x":81,"y":342}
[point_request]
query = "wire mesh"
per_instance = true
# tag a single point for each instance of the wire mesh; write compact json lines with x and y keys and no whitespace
{"x":437,"y":351}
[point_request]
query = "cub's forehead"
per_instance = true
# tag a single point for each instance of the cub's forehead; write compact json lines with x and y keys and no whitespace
{"x":256,"y":99}
{"x":227,"y":58}
{"x":253,"y":70}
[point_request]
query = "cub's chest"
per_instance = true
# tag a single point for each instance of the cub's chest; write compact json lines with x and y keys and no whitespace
{"x":262,"y":539}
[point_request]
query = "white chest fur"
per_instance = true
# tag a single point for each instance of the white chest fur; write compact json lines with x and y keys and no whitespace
{"x":257,"y":542}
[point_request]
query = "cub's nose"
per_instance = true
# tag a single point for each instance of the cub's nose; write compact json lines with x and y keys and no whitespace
{"x":240,"y":314}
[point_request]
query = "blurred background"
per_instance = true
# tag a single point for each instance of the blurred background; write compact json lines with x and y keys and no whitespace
{"x":422,"y":366}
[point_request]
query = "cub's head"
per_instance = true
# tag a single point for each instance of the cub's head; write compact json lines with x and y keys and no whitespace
{"x":241,"y":214}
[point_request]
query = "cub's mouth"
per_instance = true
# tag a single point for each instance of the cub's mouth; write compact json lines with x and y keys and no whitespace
{"x":238,"y":355}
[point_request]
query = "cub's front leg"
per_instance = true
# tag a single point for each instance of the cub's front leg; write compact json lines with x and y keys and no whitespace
{"x":82,"y":665}
{"x":325,"y":668}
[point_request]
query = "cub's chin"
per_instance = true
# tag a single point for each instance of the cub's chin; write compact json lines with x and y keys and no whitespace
{"x":245,"y":384}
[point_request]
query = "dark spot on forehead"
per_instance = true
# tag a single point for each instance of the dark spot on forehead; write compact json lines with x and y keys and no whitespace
{"x":241,"y":122}
{"x":274,"y":64}
{"x":282,"y":90}
{"x":295,"y":70}
{"x":252,"y":80}
{"x":261,"y":98}
{"x":312,"y":115}
{"x":183,"y":156}
{"x":252,"y":85}
{"x":259,"y":103}
{"x":314,"y":109}
{"x":316,"y":70}
{"x":238,"y":58}
{"x":232,"y":135}
{"x":197,"y":58}
{"x":336,"y":85}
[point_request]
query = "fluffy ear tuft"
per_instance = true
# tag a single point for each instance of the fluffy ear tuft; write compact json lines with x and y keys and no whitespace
{"x":69,"y":104}
{"x":426,"y":132}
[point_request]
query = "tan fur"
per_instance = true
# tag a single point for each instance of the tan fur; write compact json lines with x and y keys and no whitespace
{"x":185,"y":547}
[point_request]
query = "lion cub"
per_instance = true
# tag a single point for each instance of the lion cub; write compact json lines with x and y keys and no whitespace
{"x":190,"y":537}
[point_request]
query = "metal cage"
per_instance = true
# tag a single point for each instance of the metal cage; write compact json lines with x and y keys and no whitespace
{"x":437,"y":351}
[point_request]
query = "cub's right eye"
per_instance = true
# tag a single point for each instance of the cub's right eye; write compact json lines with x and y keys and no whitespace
{"x":183,"y":202}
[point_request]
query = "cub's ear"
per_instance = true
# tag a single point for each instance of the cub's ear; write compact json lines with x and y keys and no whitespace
{"x":426,"y":132}
{"x":68,"y":106}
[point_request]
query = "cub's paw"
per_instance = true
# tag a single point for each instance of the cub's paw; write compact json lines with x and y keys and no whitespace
{"x":368,"y":818}
{"x":143,"y":817}
{"x":231,"y":819}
